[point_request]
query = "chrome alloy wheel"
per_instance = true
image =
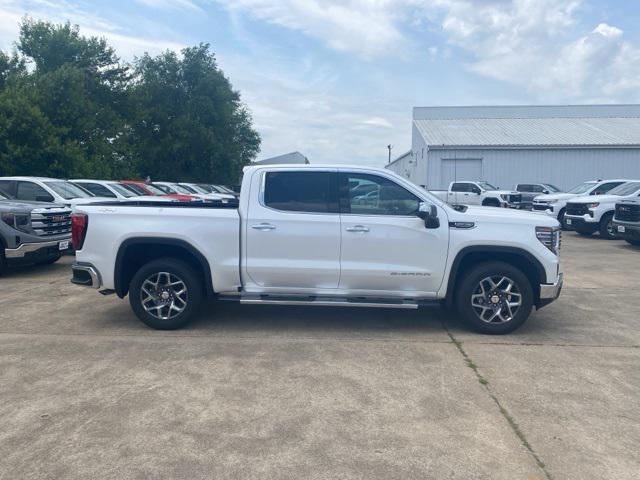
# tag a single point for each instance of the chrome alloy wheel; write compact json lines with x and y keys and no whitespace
{"x":496,"y":299}
{"x":164,"y":295}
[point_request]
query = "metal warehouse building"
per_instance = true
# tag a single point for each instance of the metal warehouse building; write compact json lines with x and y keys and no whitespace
{"x":504,"y":145}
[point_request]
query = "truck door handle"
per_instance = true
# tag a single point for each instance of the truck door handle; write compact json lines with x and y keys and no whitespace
{"x":357,"y":229}
{"x":264,"y":227}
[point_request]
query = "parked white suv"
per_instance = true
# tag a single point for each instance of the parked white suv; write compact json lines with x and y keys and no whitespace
{"x":298,"y":237}
{"x":555,"y":204}
{"x":42,"y":189}
{"x":590,"y":215}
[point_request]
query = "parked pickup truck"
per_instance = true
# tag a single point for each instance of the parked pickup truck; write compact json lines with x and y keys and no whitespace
{"x":298,"y":237}
{"x":478,"y":193}
{"x":32,"y":232}
{"x":531,"y":190}
{"x":626,"y":221}
{"x":587,"y":215}
{"x":555,"y":204}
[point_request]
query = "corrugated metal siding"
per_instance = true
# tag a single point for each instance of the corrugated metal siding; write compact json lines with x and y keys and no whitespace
{"x":564,"y":168}
{"x":530,"y":131}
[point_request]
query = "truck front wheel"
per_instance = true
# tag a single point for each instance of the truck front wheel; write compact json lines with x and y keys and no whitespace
{"x":607,"y":230}
{"x":165,"y":293}
{"x":494,"y":298}
{"x":491,"y":202}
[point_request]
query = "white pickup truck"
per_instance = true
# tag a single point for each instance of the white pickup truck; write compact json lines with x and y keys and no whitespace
{"x":478,"y":193}
{"x":587,"y":215}
{"x":298,"y":237}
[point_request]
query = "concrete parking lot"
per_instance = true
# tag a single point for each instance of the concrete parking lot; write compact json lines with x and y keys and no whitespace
{"x":87,"y":391}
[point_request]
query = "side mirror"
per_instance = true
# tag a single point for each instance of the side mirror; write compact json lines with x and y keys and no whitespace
{"x":546,"y":192}
{"x":429,"y":213}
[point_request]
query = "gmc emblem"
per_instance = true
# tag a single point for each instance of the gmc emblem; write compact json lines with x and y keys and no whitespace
{"x":58,"y":218}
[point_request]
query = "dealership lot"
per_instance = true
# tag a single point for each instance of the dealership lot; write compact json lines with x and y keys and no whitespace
{"x":281,"y":392}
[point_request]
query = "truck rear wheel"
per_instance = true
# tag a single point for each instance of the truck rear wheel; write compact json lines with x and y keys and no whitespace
{"x":494,"y":298}
{"x":165,"y":293}
{"x":634,"y":242}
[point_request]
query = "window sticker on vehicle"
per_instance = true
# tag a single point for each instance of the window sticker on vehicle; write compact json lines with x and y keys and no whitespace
{"x":621,"y":228}
{"x":568,"y":221}
{"x":63,"y":245}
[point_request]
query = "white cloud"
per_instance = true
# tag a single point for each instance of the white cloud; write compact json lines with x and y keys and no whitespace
{"x":537,"y":45}
{"x":377,"y":122}
{"x":127,"y":45}
{"x":367,"y":28}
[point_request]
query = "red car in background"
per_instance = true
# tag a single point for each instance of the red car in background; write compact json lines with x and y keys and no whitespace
{"x":148,"y":189}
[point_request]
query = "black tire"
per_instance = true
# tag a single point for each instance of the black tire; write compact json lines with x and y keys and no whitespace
{"x":50,"y":260}
{"x":491,"y":202}
{"x":470,"y":285}
{"x":606,"y":228}
{"x":584,"y":233}
{"x":178,"y":269}
{"x":630,"y":241}
{"x":563,"y":225}
{"x":3,"y":262}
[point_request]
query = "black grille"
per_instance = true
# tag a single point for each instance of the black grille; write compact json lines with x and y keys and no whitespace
{"x":515,"y":198}
{"x":628,"y":212}
{"x":577,"y":209}
{"x":537,"y":206}
{"x":50,"y":223}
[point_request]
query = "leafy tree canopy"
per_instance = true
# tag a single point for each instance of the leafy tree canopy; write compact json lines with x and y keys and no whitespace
{"x":70,"y":107}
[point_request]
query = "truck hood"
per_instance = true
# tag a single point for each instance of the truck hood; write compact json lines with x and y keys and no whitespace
{"x":503,"y":215}
{"x":27,"y":206}
{"x":599,"y":199}
{"x":503,"y":192}
{"x":555,"y":196}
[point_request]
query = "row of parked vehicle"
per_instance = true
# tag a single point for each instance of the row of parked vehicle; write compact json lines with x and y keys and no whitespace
{"x":35,"y":212}
{"x":613,"y":214}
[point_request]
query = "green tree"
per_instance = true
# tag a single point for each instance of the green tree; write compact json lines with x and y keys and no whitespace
{"x":190,"y":122}
{"x":69,"y":107}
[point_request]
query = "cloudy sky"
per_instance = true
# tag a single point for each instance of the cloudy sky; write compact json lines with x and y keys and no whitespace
{"x":336,"y":79}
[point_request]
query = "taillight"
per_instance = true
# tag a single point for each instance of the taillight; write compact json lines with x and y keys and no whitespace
{"x":79,"y":223}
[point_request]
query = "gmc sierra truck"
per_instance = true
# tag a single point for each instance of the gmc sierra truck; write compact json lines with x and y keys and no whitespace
{"x":32,"y":232}
{"x":626,"y":221}
{"x":478,"y":193}
{"x":299,"y":237}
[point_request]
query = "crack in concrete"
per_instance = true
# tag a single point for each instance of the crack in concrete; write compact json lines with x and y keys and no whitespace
{"x":503,"y":411}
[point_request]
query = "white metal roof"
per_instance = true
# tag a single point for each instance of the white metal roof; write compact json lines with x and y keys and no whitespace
{"x":555,"y":131}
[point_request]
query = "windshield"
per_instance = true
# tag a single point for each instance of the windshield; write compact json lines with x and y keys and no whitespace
{"x":134,"y":188}
{"x":207,"y":188}
{"x":582,"y":188}
{"x":181,"y":189}
{"x":3,"y":196}
{"x":196,"y":189}
{"x":122,"y":190}
{"x":68,"y":190}
{"x":625,"y":189}
{"x":166,"y":188}
{"x":551,"y":188}
{"x":155,"y":190}
{"x":486,"y":186}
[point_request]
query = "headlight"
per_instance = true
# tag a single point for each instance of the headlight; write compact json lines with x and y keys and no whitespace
{"x":550,"y":237}
{"x":594,"y":205}
{"x":19,"y":221}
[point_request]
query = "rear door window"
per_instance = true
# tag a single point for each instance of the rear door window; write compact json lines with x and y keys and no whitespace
{"x":312,"y":192}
